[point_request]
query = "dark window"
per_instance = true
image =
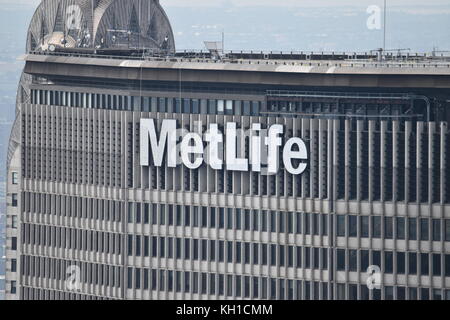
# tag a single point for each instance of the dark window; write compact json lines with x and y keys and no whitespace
{"x":341,"y":226}
{"x":376,"y":227}
{"x":412,"y":263}
{"x":364,"y":260}
{"x":401,"y":263}
{"x":436,"y":230}
{"x":364,"y":227}
{"x":400,"y":228}
{"x":424,"y":229}
{"x":376,"y":258}
{"x":436,"y":264}
{"x":353,"y":260}
{"x":388,"y":228}
{"x":14,"y":200}
{"x":412,"y":228}
{"x":424,"y":264}
{"x":388,"y":262}
{"x":447,"y":229}
{"x":353,"y":226}
{"x":447,"y":265}
{"x":14,"y":243}
{"x":340,"y":259}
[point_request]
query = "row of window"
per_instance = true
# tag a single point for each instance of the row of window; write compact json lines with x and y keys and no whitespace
{"x":238,"y":219}
{"x":411,"y":263}
{"x":400,"y":228}
{"x":248,"y":287}
{"x":29,"y":293}
{"x":228,"y":218}
{"x":72,"y":206}
{"x":228,"y":285}
{"x":57,"y":269}
{"x":70,"y":238}
{"x":145,"y":104}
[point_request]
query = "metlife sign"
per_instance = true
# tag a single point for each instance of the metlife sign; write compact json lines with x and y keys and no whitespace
{"x":221,"y":151}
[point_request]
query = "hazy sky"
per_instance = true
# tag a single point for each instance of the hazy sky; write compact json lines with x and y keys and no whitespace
{"x":278,"y":3}
{"x":327,"y":25}
{"x":300,"y":3}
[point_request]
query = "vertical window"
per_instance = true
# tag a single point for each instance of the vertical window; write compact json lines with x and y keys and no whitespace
{"x":273,"y":255}
{"x":14,"y":222}
{"x":447,"y":229}
{"x":255,"y":253}
{"x":221,"y":218}
{"x":353,"y":260}
{"x":221,"y":251}
{"x":14,"y":200}
{"x":364,"y":227}
{"x":376,"y":258}
{"x":388,"y":228}
{"x":325,"y":225}
{"x":247,"y":220}
{"x":376,"y":227}
{"x":400,"y":228}
{"x":436,"y":264}
{"x":412,"y":263}
{"x":424,"y":264}
{"x":401,"y":263}
{"x":388,"y":262}
{"x":14,"y":243}
{"x":340,"y":259}
{"x":264,"y":221}
{"x":315,"y":224}
{"x":341,"y":226}
{"x":281,"y":220}
{"x":298,"y":228}
{"x":353,"y":226}
{"x":447,"y":265}
{"x":212,"y":217}
{"x":412,"y":228}
{"x":307,"y":223}
{"x":364,"y":260}
{"x":255,"y":220}
{"x":424,"y":236}
{"x":13,"y":265}
{"x":204,"y":217}
{"x":273,"y":221}
{"x":238,"y":219}
{"x":187,"y":216}
{"x":15,"y":178}
{"x":436,"y":230}
{"x":196,"y":218}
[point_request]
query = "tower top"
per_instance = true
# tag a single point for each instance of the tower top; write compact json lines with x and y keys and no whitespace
{"x":100,"y":24}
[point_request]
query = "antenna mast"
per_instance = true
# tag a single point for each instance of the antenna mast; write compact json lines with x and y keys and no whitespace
{"x":223,"y":42}
{"x":384,"y":28}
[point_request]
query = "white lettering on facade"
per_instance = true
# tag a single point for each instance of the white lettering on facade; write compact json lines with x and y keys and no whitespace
{"x":263,"y":144}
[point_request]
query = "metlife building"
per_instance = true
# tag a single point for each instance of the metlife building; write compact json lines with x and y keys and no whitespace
{"x":136,"y":171}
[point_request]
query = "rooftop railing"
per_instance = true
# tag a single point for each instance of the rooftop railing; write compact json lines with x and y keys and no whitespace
{"x":302,"y":59}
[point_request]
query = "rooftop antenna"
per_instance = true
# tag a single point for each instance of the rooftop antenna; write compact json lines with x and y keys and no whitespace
{"x":92,"y":19}
{"x":384,"y":27}
{"x":223,"y":42}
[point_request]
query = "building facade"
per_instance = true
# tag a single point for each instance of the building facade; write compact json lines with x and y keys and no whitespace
{"x":88,"y":220}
